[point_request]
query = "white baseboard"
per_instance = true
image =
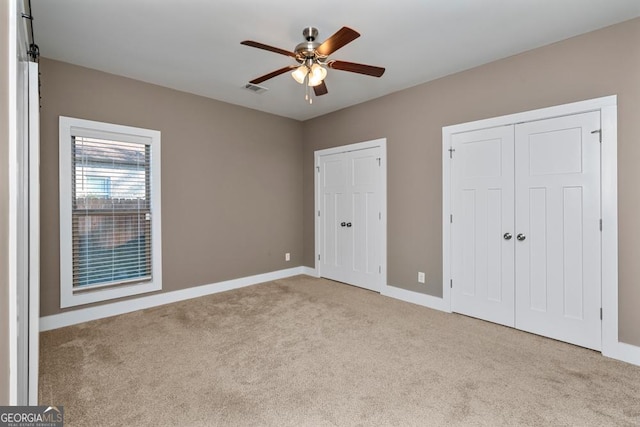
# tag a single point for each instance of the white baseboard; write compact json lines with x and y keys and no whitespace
{"x":74,"y":317}
{"x":624,"y":352}
{"x":415,"y":298}
{"x":310,"y":271}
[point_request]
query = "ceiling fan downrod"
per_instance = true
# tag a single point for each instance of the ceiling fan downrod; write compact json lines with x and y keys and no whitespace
{"x":310,"y":33}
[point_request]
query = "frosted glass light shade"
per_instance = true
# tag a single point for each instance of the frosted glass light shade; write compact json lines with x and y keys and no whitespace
{"x":300,"y":73}
{"x":318,"y":74}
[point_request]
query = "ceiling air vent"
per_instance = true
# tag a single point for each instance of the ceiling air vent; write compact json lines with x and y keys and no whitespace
{"x":255,"y":88}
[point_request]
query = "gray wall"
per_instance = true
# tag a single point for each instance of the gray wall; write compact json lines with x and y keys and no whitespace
{"x":231,"y":177}
{"x":4,"y":203}
{"x":604,"y":62}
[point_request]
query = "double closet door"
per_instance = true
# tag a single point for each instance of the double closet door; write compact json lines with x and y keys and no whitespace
{"x":526,"y":230}
{"x":350,"y":217}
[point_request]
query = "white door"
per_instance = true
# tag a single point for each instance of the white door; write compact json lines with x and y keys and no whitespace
{"x":351,"y":217}
{"x":333,"y":216}
{"x":365,"y":215}
{"x":482,"y":224}
{"x":526,"y":227}
{"x":558,"y":279}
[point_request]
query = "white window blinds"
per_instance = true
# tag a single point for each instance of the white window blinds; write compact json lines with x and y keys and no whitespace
{"x":111,"y":217}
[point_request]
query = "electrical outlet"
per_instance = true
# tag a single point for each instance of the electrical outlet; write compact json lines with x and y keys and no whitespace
{"x":421,"y":278}
{"x":287,"y":256}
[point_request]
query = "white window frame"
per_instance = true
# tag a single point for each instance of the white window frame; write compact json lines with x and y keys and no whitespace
{"x":78,"y":127}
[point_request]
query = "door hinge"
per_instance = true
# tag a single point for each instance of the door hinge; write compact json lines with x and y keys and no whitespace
{"x":451,"y":218}
{"x":380,"y":269}
{"x":379,"y":161}
{"x":451,"y":284}
{"x":600,"y":224}
{"x":318,"y":213}
{"x":451,"y":150}
{"x":379,"y":215}
{"x":600,"y":313}
{"x":318,"y":168}
{"x":318,"y":257}
{"x":599,"y":132}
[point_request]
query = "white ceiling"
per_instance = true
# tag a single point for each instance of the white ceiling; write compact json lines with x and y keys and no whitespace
{"x":194,"y":45}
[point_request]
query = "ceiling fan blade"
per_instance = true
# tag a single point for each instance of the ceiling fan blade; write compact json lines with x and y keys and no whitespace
{"x":342,"y":37}
{"x":369,"y":70}
{"x":269,"y":48}
{"x":272,"y":74}
{"x":321,"y":89}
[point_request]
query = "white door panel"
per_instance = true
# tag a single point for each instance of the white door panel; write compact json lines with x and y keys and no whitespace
{"x":365,"y":190}
{"x":350,"y":214}
{"x":333,"y":207}
{"x":558,"y":212}
{"x":482,"y":197}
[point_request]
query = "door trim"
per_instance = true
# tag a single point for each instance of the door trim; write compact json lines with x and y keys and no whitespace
{"x":382,"y":144}
{"x":34,"y":233}
{"x":13,"y":187}
{"x":607,"y":106}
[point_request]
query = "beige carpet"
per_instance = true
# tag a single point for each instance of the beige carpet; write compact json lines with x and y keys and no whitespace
{"x":311,"y":352}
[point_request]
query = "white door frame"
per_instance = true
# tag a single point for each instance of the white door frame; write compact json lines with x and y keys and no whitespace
{"x":13,"y":202}
{"x":607,"y":106}
{"x":382,"y":144}
{"x":34,"y":232}
{"x":24,"y":214}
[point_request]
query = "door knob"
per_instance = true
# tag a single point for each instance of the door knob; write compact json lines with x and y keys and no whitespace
{"x":348,"y":224}
{"x":342,"y":224}
{"x":507,"y":236}
{"x":521,"y":237}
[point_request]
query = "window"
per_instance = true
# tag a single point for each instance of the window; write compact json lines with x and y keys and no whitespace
{"x":110,"y":239}
{"x":96,"y":186}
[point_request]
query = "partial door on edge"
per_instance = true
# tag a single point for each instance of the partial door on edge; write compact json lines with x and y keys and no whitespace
{"x":351,"y":218}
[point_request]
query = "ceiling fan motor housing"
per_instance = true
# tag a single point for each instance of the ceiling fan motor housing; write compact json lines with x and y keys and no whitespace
{"x":307,"y":50}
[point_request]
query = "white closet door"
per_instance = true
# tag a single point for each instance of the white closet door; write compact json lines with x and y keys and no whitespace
{"x":482,"y":229}
{"x":558,"y":229}
{"x":351,"y":218}
{"x":365,"y":233}
{"x":334,"y":256}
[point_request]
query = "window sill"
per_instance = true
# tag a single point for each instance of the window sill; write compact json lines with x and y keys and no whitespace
{"x":72,"y":299}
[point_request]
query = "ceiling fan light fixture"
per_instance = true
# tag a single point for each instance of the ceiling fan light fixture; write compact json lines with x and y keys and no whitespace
{"x":314,"y":82}
{"x":300,"y":73}
{"x":316,"y":75}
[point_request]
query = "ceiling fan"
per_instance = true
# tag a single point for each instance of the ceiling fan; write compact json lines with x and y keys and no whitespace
{"x":313,"y":58}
